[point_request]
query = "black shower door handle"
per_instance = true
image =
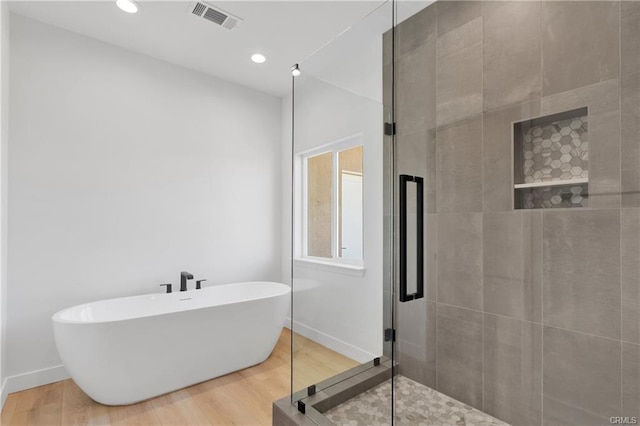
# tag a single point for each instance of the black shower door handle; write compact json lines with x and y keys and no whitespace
{"x":419,"y":182}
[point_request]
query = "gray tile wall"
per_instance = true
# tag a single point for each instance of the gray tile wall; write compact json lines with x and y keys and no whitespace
{"x":458,"y":169}
{"x":581,"y":378}
{"x":581,"y":271}
{"x":512,"y":47}
{"x":532,"y":316}
{"x":459,"y":73}
{"x":513,"y":369}
{"x":459,"y":342}
{"x":580,"y":44}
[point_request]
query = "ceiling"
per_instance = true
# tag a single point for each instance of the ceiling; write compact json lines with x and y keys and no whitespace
{"x":285,"y":32}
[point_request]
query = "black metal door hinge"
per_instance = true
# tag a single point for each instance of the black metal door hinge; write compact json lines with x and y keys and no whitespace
{"x":389,"y":335}
{"x":389,"y":129}
{"x":301,"y":407}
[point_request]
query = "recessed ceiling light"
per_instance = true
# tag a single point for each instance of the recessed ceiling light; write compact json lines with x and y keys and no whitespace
{"x":128,"y":6}
{"x":295,"y":70}
{"x":258,"y":58}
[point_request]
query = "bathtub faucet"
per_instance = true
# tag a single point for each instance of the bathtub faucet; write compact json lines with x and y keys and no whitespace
{"x":184,"y":276}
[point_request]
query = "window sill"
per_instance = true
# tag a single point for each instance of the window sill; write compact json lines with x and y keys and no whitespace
{"x":321,"y":265}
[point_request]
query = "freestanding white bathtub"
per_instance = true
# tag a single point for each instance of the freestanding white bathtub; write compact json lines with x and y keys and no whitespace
{"x":122,"y":351}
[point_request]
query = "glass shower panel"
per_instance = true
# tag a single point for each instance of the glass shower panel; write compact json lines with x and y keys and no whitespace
{"x":338,"y":234}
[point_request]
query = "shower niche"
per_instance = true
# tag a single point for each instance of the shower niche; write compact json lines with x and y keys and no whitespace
{"x":551,"y":161}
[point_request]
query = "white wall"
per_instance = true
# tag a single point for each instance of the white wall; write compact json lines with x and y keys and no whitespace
{"x":4,"y":134}
{"x":285,"y":179}
{"x":123,"y":171}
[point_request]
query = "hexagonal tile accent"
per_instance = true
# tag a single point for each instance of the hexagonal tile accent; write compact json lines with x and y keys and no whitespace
{"x":555,"y":197}
{"x":556,"y":145}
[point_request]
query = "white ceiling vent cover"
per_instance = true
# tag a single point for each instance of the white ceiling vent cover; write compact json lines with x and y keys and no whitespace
{"x":214,"y":14}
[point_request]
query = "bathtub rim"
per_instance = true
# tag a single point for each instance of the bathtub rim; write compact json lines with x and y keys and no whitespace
{"x":284,"y":289}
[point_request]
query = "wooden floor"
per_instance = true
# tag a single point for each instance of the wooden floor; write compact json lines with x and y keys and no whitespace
{"x":241,"y":398}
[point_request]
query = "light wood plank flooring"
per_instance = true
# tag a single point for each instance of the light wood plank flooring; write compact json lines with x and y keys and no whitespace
{"x":240,"y":398}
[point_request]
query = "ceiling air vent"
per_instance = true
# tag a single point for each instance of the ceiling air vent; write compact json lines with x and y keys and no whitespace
{"x":215,"y":15}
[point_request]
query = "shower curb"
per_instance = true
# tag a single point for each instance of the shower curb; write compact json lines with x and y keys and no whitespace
{"x":356,"y":381}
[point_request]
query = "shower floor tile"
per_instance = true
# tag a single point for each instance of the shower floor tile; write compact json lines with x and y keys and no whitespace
{"x":416,"y":404}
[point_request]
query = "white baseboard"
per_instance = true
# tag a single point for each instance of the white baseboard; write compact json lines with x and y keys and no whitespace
{"x":340,"y":346}
{"x":3,"y":393}
{"x":36,"y":378}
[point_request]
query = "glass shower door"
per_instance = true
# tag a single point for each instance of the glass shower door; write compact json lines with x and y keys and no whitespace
{"x":440,"y":165}
{"x":522,"y":118}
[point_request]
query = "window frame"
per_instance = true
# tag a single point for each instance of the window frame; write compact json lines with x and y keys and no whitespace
{"x":334,"y":148}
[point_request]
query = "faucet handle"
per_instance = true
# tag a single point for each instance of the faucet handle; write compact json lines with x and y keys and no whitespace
{"x":168,"y":287}
{"x":198,"y":285}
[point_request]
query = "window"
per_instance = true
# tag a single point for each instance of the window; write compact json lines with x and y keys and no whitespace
{"x":332,"y":194}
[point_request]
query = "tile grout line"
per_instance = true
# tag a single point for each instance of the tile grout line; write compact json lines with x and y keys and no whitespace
{"x":621,"y":203}
{"x":436,"y":339}
{"x":436,"y":163}
{"x":554,"y":210}
{"x":541,"y":248}
{"x":532,"y":322}
{"x":482,"y":342}
{"x":621,"y":316}
{"x":536,"y":323}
